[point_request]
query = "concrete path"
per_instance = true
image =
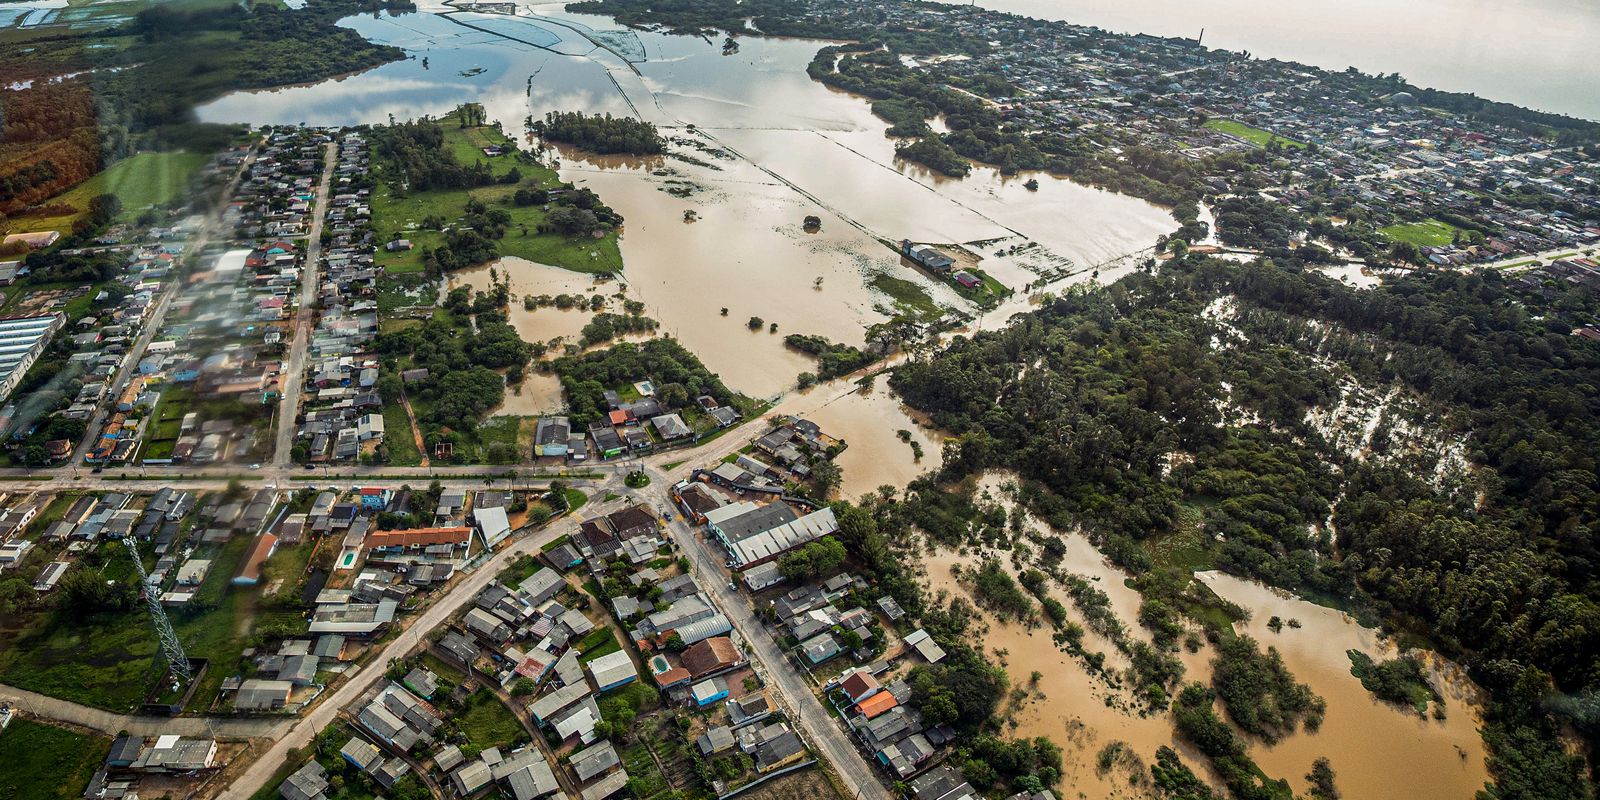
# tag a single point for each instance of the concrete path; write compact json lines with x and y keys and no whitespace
{"x":111,"y":723}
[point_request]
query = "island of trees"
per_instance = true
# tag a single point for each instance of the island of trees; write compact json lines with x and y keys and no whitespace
{"x":601,"y":133}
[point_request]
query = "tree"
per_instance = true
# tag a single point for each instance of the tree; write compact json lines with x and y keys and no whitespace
{"x":755,"y":323}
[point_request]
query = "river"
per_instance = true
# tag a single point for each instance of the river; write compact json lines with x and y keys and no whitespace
{"x":1535,"y":53}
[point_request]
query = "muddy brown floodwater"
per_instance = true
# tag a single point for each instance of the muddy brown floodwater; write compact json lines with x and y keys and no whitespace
{"x":759,"y":147}
{"x":870,"y":422}
{"x":539,"y":392}
{"x":1379,"y":750}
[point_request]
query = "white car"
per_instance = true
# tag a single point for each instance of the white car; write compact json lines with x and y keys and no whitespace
{"x":255,"y":466}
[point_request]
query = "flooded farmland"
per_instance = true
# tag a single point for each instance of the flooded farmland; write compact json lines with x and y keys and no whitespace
{"x":713,"y":238}
{"x":758,"y":147}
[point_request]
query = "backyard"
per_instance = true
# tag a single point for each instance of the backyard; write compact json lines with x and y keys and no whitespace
{"x":486,"y":722}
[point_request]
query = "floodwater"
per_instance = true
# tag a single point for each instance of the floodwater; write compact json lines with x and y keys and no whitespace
{"x":539,"y":392}
{"x":1536,"y":53}
{"x":1068,"y":704}
{"x":772,"y":147}
{"x":870,"y":422}
{"x":1377,"y":749}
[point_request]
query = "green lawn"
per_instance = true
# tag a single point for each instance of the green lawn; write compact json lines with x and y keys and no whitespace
{"x":139,"y":181}
{"x":1427,"y":233}
{"x":911,"y":298}
{"x":486,"y":722}
{"x":399,"y":214}
{"x":1255,"y":136}
{"x":42,"y":761}
{"x":599,"y":642}
{"x":397,"y":435}
{"x":986,"y":295}
{"x":575,"y":499}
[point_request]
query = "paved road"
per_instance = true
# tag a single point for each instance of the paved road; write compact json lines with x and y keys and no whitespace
{"x":152,"y":323}
{"x":109,"y":722}
{"x":363,"y":678}
{"x":294,"y":373}
{"x":794,"y":690}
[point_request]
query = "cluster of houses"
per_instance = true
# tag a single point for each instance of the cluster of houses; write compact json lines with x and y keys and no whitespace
{"x":277,"y":196}
{"x":294,"y":669}
{"x":342,"y":415}
{"x":1391,"y":158}
{"x":785,"y":453}
{"x":1561,"y":276}
{"x":631,"y":428}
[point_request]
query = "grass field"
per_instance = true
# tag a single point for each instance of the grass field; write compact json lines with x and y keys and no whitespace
{"x":1427,"y":233}
{"x":486,"y":722}
{"x":397,"y":435}
{"x":986,"y":295}
{"x":402,"y":215}
{"x":911,"y":299}
{"x":599,"y":642}
{"x":139,"y":181}
{"x":43,"y":761}
{"x":1255,"y":136}
{"x":108,"y":660}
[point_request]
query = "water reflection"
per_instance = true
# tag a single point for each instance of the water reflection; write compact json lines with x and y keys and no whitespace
{"x":759,"y":146}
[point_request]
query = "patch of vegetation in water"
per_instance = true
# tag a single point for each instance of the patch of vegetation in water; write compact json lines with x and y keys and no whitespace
{"x":1398,"y":680}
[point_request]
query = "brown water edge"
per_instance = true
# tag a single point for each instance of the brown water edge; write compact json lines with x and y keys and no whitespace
{"x":539,"y":392}
{"x":869,"y":421}
{"x":1378,"y":750}
{"x":1068,"y":705}
{"x":748,"y":254}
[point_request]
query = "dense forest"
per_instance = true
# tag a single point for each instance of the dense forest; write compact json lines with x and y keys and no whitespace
{"x":1090,"y":397}
{"x":601,"y":133}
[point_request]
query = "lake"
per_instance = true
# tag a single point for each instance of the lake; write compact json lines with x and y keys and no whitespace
{"x":1535,"y":53}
